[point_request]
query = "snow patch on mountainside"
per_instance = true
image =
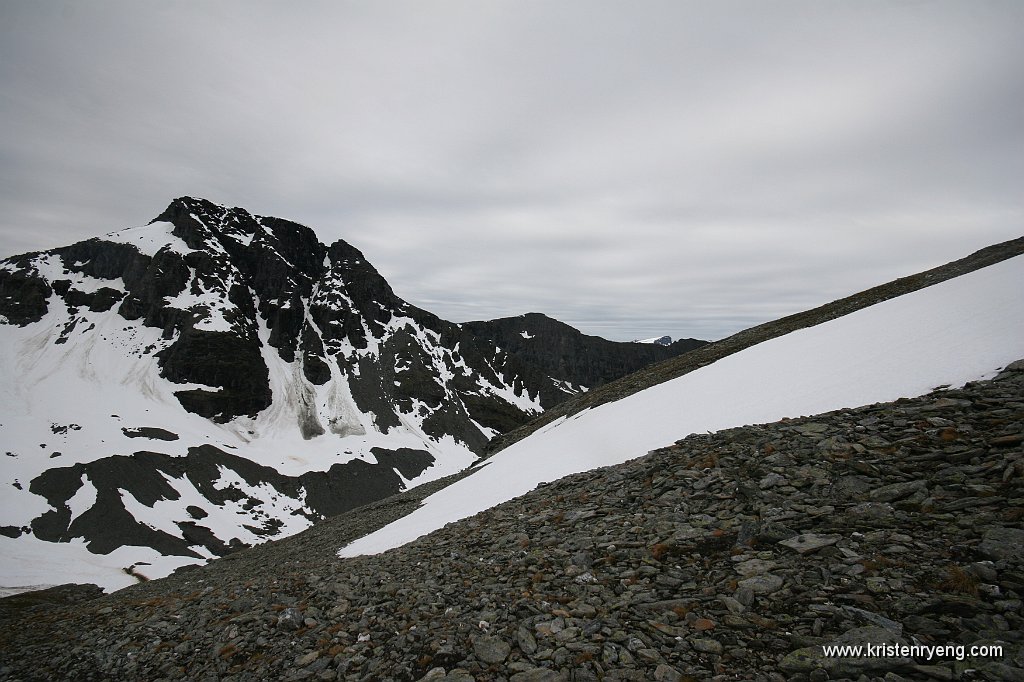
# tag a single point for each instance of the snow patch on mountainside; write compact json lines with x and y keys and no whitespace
{"x":149,"y":239}
{"x":658,"y":340}
{"x":960,"y":330}
{"x":72,"y":562}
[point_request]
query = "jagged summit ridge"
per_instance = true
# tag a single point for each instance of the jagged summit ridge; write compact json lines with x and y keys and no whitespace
{"x":289,"y":379}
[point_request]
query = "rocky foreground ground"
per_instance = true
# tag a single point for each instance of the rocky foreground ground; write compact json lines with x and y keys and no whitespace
{"x":727,"y":556}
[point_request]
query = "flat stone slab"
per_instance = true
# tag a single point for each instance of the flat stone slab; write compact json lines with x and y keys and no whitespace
{"x":872,"y":618}
{"x":762,"y":584}
{"x":1003,"y":544}
{"x":812,"y":428}
{"x":896,"y":491}
{"x":752,"y":567}
{"x":810,"y":542}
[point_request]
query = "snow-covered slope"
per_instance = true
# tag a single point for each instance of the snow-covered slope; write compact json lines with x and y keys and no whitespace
{"x":174,"y":391}
{"x":960,"y":330}
{"x":657,"y":340}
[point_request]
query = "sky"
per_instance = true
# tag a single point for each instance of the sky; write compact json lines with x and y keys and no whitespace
{"x":632,"y":168}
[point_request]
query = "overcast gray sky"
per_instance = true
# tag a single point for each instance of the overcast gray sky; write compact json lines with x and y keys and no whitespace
{"x":632,"y":168}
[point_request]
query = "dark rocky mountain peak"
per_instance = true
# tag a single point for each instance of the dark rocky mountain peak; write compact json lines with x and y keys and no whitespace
{"x":224,"y":348}
{"x":567,"y":354}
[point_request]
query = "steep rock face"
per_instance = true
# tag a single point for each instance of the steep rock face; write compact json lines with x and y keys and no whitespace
{"x":24,"y":294}
{"x":323,"y":307}
{"x":216,"y":378}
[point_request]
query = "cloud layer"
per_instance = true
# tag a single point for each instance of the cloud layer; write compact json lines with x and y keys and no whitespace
{"x":634,"y":169}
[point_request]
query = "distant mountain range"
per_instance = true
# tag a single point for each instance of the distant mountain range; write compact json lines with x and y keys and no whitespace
{"x":176,"y":391}
{"x":659,"y":341}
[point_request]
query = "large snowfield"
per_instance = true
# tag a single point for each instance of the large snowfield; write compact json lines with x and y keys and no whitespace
{"x":950,"y":333}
